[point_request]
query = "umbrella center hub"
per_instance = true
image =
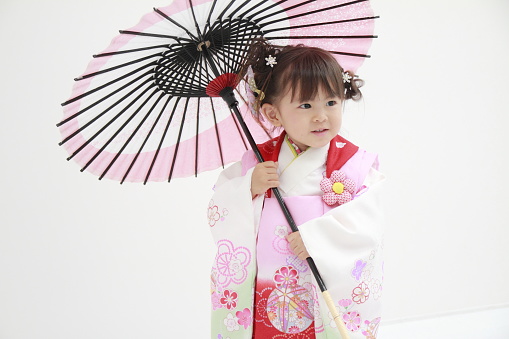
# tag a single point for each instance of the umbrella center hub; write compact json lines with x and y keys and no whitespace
{"x":182,"y":69}
{"x":203,"y":43}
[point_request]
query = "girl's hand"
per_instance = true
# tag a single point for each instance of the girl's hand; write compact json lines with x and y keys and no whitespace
{"x":264,"y":177}
{"x":297,"y":245}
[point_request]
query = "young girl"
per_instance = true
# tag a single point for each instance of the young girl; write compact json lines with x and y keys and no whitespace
{"x":261,"y":284}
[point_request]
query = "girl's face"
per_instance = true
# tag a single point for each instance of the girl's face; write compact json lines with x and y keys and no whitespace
{"x":312,"y":123}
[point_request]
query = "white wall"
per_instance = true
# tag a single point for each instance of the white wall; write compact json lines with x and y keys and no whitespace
{"x":80,"y":258}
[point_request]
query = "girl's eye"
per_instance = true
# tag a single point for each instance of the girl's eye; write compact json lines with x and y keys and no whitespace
{"x":305,"y":106}
{"x":331,"y":103}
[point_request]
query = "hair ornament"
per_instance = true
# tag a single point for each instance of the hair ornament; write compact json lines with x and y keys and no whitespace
{"x":254,"y":95}
{"x":346,"y":77}
{"x":271,"y":61}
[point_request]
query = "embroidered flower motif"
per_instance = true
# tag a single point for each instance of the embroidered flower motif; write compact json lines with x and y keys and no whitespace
{"x":352,"y":321}
{"x":213,"y":214}
{"x":345,"y":303}
{"x":357,"y":270}
{"x":271,"y":61}
{"x":229,"y":299}
{"x":371,"y":330}
{"x":244,"y":317}
{"x":361,"y":293}
{"x":231,"y":263}
{"x":286,"y":275}
{"x":281,"y":231}
{"x":231,"y":322}
{"x":216,"y":301}
{"x":338,"y":189}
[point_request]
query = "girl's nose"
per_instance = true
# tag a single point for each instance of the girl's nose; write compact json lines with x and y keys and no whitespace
{"x":320,"y":116}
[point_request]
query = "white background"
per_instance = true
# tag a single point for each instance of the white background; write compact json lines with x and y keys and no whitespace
{"x":80,"y":258}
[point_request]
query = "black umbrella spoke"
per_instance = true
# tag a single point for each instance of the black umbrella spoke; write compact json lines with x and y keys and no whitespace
{"x":191,"y":35}
{"x":177,"y":144}
{"x":149,"y":112}
{"x":197,"y":138}
{"x":268,"y":31}
{"x":238,"y":128}
{"x":217,"y":132}
{"x":220,"y":17}
{"x":106,"y":125}
{"x":113,"y":68}
{"x":351,"y":54}
{"x":175,"y":78}
{"x":147,"y":137}
{"x":315,"y":11}
{"x":256,"y":7}
{"x":163,"y":136}
{"x":116,"y":133}
{"x":82,"y":128}
{"x":284,"y":10}
{"x":155,"y":35}
{"x":196,"y":25}
{"x":236,"y":10}
{"x":122,"y":77}
{"x":212,"y":8}
{"x":98,"y":101}
{"x":134,"y":50}
{"x":312,"y":37}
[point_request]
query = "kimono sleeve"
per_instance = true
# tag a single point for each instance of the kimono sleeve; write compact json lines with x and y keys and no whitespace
{"x":346,"y":243}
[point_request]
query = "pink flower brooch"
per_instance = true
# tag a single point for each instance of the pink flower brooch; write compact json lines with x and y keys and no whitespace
{"x":337,"y":189}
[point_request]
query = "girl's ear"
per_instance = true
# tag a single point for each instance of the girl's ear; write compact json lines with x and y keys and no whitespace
{"x":271,"y":112}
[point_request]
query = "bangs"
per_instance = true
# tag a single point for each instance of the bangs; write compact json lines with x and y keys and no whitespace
{"x":311,"y":72}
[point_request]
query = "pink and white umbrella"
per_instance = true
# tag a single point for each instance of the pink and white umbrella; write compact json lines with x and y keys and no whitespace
{"x":146,"y":107}
{"x":141,"y":112}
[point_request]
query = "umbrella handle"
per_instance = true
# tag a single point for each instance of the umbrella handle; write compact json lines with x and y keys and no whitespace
{"x":335,"y":315}
{"x":229,"y":97}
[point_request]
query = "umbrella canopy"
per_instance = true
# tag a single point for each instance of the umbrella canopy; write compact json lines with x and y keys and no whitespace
{"x":140,"y":112}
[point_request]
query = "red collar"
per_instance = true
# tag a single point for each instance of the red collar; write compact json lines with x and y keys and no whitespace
{"x":340,"y":151}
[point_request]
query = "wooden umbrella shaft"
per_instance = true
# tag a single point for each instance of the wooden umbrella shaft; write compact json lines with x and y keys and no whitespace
{"x":229,"y":97}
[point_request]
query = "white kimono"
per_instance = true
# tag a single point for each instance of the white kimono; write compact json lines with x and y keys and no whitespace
{"x":345,"y":243}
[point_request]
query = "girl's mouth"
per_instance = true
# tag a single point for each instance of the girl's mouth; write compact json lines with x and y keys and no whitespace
{"x":321,"y":130}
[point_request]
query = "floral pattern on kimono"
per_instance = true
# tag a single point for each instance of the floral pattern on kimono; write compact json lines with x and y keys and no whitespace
{"x":238,"y":298}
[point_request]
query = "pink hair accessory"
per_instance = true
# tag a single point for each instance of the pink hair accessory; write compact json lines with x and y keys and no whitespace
{"x":337,"y":189}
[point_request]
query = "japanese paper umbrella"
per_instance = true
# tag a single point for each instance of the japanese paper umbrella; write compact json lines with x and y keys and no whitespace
{"x":147,"y":108}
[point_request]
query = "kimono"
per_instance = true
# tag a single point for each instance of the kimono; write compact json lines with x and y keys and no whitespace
{"x":259,"y":288}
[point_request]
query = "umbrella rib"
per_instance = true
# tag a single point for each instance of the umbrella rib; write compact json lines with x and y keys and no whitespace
{"x":238,"y":128}
{"x":102,"y":99}
{"x":159,"y":146}
{"x":242,"y":5}
{"x":191,"y":7}
{"x":105,"y":126}
{"x":197,"y":138}
{"x":220,"y":17}
{"x":311,"y":12}
{"x":124,"y":76}
{"x":134,"y":132}
{"x":72,"y":135}
{"x":212,"y":8}
{"x":117,"y":67}
{"x":217,"y":132}
{"x":318,"y":24}
{"x":154,"y":35}
{"x":175,"y":23}
{"x":256,"y":6}
{"x":282,"y":11}
{"x":147,"y":137}
{"x":323,"y":37}
{"x":178,"y":140}
{"x":117,"y":132}
{"x":263,"y":9}
{"x":100,"y":55}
